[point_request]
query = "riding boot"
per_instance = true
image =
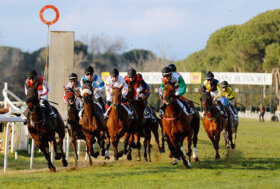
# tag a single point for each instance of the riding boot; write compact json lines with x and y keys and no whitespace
{"x":49,"y":108}
{"x":161,"y":110}
{"x":100,"y":100}
{"x":188,"y":107}
{"x":224,"y":111}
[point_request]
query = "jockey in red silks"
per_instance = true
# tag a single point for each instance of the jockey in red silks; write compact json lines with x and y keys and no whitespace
{"x":140,"y":87}
{"x":42,"y":87}
{"x":74,"y":85}
{"x":137,"y":82}
{"x":113,"y":81}
{"x":180,"y":89}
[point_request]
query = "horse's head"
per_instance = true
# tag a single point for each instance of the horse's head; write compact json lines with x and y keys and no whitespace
{"x":117,"y":96}
{"x":70,"y":97}
{"x":130,"y":93}
{"x":169,"y":93}
{"x":32,"y":99}
{"x":206,"y":100}
{"x":87,"y":92}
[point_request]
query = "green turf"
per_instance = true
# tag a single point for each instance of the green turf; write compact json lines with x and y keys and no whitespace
{"x":254,"y":163}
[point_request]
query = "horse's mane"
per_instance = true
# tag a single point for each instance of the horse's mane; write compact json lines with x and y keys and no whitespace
{"x":169,"y":85}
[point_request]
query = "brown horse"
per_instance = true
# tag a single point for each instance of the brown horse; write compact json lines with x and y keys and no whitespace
{"x":118,"y":126}
{"x":176,"y":125}
{"x":214,"y":124}
{"x":137,"y":123}
{"x":74,"y":128}
{"x":150,"y":125}
{"x":42,"y":128}
{"x":92,"y":122}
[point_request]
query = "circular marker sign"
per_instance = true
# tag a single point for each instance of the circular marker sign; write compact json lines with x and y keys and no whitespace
{"x":56,"y":16}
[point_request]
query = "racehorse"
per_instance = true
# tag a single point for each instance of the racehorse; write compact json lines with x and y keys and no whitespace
{"x":92,"y":122}
{"x":176,"y":125}
{"x":214,"y":124}
{"x":74,"y":128}
{"x":42,"y":128}
{"x":150,"y":125}
{"x":117,"y":126}
{"x":235,"y":122}
{"x":138,"y":108}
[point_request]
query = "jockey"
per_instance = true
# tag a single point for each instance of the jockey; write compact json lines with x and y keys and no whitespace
{"x":115,"y":80}
{"x":42,"y":86}
{"x":74,"y":84}
{"x":136,"y":81}
{"x":213,"y":86}
{"x":229,"y":93}
{"x":180,"y":88}
{"x":96,"y":83}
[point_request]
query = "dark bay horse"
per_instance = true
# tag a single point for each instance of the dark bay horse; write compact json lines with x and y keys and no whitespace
{"x":137,"y":123}
{"x":74,"y":128}
{"x":42,"y":128}
{"x":118,"y":126}
{"x":214,"y":124}
{"x":92,"y":122}
{"x":176,"y":125}
{"x":150,"y":125}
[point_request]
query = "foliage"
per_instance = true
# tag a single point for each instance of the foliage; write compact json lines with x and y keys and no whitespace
{"x":239,"y":48}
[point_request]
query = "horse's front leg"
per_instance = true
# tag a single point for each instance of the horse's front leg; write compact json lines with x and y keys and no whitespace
{"x":74,"y":146}
{"x":45,"y":149}
{"x":60,"y":144}
{"x":189,"y":148}
{"x":57,"y":156}
{"x":179,"y":153}
{"x":211,"y":137}
{"x":115,"y":143}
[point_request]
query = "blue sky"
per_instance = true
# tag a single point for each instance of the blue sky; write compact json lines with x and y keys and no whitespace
{"x":176,"y":28}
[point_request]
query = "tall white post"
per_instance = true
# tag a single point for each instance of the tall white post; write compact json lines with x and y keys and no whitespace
{"x":6,"y":147}
{"x":32,"y":154}
{"x":79,"y":148}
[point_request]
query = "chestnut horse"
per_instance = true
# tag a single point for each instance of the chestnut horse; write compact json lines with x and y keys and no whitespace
{"x":74,"y":128}
{"x":176,"y":125}
{"x":137,"y":123}
{"x":214,"y":124}
{"x":42,"y":128}
{"x":118,"y":126}
{"x":92,"y":122}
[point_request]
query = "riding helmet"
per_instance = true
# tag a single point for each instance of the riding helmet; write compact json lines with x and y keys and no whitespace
{"x":224,"y":84}
{"x":31,"y":73}
{"x":166,"y":71}
{"x":131,"y":72}
{"x":114,"y":72}
{"x":172,"y":67}
{"x":72,"y":76}
{"x":89,"y":70}
{"x":209,"y":75}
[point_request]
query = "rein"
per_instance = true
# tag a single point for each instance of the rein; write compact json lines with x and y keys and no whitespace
{"x":213,"y":118}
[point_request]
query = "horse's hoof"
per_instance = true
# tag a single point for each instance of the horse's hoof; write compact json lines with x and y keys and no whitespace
{"x":170,"y":155}
{"x":95,"y":154}
{"x":175,"y":163}
{"x":107,"y":157}
{"x":52,"y":168}
{"x":125,"y":151}
{"x":145,"y":159}
{"x":138,"y":159}
{"x":65,"y":163}
{"x":120,"y":154}
{"x":129,"y":157}
{"x":103,"y":152}
{"x":217,"y":157}
{"x":195,"y":159}
{"x":162,"y":150}
{"x":133,"y":145}
{"x":90,"y":163}
{"x":116,"y":157}
{"x":58,"y":156}
{"x":233,"y":146}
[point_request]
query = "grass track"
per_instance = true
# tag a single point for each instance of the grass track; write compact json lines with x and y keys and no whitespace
{"x":255,"y":163}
